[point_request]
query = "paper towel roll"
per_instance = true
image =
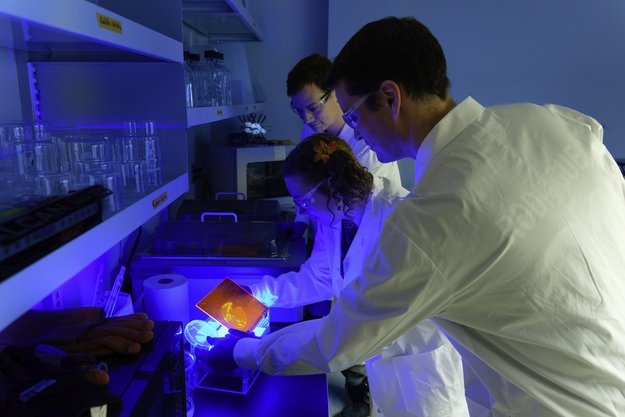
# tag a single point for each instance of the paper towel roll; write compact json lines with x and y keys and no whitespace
{"x":166,"y":297}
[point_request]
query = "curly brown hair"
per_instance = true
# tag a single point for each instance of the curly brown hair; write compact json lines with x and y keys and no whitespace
{"x":351,"y":182}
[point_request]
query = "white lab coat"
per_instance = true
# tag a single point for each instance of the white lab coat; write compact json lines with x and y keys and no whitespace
{"x":420,"y":374}
{"x":365,"y":156}
{"x":512,"y":239}
{"x":319,"y":278}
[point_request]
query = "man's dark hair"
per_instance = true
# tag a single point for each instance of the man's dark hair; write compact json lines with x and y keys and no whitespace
{"x":314,"y":69}
{"x":398,"y":49}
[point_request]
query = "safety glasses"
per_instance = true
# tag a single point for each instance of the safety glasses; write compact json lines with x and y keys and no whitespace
{"x":313,"y":108}
{"x":306,"y":199}
{"x":349,"y":117}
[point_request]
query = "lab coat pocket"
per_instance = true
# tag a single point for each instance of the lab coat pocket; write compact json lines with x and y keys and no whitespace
{"x":420,"y":384}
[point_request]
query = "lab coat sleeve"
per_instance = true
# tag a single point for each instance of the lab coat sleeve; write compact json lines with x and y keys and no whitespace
{"x":311,"y":284}
{"x":399,"y":287}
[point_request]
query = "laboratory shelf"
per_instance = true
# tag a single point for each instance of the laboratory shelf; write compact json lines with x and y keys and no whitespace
{"x":201,"y":115}
{"x":221,"y":20}
{"x":27,"y":287}
{"x":77,"y":27}
{"x":57,"y":57}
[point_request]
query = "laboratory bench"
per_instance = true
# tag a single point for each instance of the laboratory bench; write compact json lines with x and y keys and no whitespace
{"x":318,"y":395}
{"x":151,"y":384}
{"x":270,"y":396}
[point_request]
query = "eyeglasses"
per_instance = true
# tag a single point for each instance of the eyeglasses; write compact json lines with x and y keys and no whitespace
{"x":303,"y":201}
{"x":349,"y":117}
{"x":312,"y":108}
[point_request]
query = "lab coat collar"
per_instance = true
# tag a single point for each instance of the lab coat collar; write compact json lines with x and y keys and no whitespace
{"x":345,"y":131}
{"x":347,"y":134}
{"x":445,"y":131}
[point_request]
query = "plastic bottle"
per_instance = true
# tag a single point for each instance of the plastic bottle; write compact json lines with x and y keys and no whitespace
{"x":215,"y":79}
{"x":226,"y":86}
{"x":198,"y":77}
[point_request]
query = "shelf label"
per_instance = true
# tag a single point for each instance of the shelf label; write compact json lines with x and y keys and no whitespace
{"x":279,"y":152}
{"x":159,"y":200}
{"x":106,"y":22}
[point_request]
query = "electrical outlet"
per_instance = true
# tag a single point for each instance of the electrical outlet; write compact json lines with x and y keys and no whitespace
{"x":57,"y":300}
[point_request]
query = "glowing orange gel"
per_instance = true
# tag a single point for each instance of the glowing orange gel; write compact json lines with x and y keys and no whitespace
{"x":232,"y":306}
{"x":234,"y":315}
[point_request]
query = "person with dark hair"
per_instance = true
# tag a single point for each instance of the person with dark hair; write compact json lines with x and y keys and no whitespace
{"x":511,"y":240}
{"x":316,"y":105}
{"x":349,"y":205}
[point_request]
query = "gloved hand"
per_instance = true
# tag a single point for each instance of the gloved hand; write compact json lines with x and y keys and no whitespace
{"x":221,"y":356}
{"x":294,"y":230}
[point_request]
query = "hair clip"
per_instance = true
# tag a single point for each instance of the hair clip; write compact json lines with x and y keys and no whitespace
{"x":323,"y":150}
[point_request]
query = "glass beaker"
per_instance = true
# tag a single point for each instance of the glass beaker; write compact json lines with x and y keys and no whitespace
{"x":139,"y":156}
{"x":189,"y":373}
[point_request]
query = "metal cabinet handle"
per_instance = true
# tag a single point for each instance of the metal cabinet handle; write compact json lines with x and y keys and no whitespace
{"x":217,"y":214}
{"x":222,"y":193}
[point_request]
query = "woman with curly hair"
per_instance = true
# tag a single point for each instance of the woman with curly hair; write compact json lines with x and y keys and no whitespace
{"x":418,"y":374}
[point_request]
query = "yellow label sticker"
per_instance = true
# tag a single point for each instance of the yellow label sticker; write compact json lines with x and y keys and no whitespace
{"x":159,"y":200}
{"x":279,"y":153}
{"x":220,"y":112}
{"x":109,"y":23}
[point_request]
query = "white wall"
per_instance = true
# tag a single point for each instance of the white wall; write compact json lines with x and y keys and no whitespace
{"x":569,"y":52}
{"x":292,"y":30}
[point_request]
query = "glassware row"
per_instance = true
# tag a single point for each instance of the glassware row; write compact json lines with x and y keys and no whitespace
{"x":39,"y":162}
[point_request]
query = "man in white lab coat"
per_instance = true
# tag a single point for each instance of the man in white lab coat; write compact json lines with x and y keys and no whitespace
{"x":511,"y":240}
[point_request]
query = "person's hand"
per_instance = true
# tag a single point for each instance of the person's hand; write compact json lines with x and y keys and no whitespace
{"x":123,"y":335}
{"x":221,"y":356}
{"x":294,"y":230}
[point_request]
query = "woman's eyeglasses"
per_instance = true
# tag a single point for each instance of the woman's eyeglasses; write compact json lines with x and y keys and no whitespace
{"x":306,"y":199}
{"x":312,"y":108}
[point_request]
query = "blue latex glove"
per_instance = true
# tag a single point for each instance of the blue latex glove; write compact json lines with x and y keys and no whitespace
{"x":221,"y":356}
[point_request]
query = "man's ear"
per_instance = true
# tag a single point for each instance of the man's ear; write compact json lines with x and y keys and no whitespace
{"x":391,"y":96}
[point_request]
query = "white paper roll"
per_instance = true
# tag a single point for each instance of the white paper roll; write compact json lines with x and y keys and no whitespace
{"x":166,"y":297}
